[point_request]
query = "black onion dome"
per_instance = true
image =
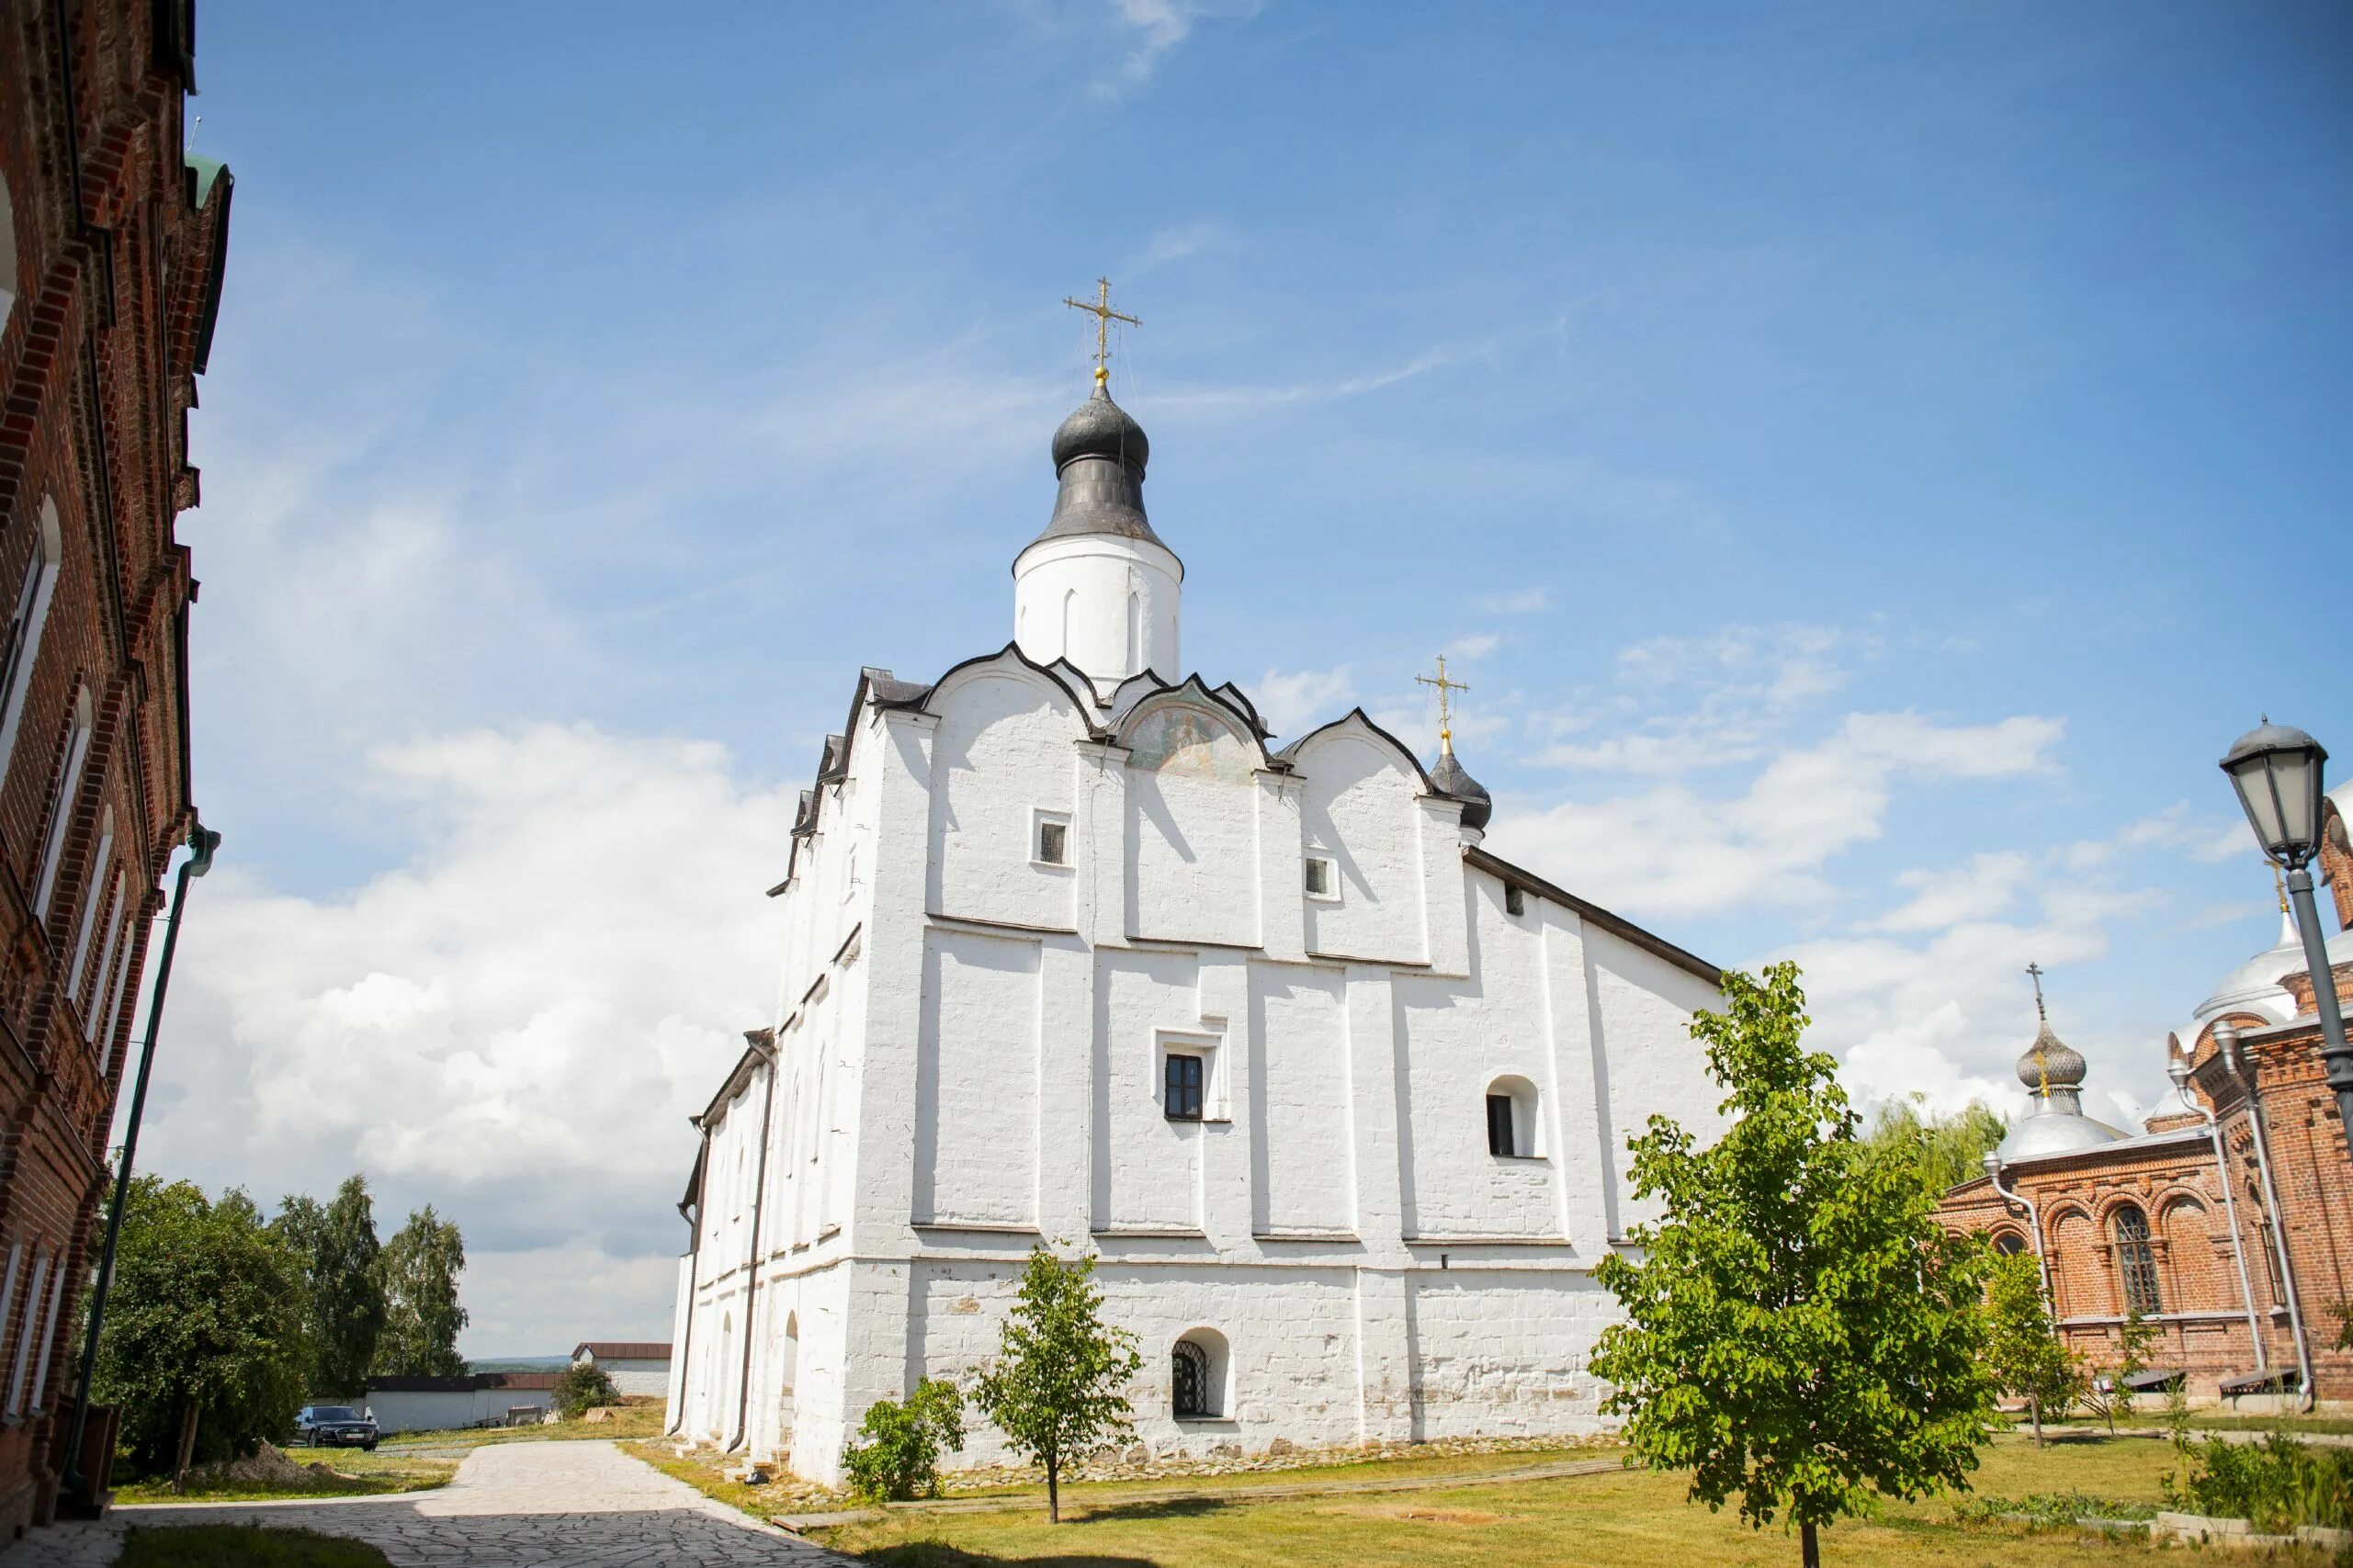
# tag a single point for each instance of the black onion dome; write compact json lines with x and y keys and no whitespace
{"x":1100,"y":428}
{"x":1098,"y":456}
{"x":1452,"y":779}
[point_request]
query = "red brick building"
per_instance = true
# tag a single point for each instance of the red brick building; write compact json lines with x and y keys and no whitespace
{"x":2228,"y":1218}
{"x":111,"y":247}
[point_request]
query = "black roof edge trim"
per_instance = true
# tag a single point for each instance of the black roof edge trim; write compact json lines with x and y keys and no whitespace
{"x":1616,"y":925}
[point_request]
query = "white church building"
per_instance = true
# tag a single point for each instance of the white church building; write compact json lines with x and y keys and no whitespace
{"x":1339,"y":1100}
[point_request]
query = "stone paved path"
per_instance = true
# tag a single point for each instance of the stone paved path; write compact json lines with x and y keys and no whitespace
{"x":511,"y":1505}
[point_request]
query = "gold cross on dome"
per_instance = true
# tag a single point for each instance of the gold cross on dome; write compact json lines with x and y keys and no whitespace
{"x":1445,"y":709}
{"x":1100,"y":309}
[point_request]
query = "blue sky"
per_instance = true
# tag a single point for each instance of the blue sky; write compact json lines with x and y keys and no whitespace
{"x":1868,"y":462}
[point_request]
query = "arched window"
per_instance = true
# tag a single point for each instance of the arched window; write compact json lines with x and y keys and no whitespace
{"x":67,"y":785}
{"x":2009,"y":1244}
{"x":2136,"y":1263}
{"x":107,"y":992}
{"x":94,"y":895}
{"x":1135,"y":633}
{"x":1189,"y":1379}
{"x":1197,"y":1376}
{"x":1512,"y":1127}
{"x":25,"y":625}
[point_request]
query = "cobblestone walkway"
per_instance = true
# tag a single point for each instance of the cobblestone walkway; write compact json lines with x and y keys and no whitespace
{"x":511,"y":1505}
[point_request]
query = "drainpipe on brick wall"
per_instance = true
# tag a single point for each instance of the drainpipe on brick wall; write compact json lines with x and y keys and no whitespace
{"x":2179,"y":1073}
{"x":2227,"y":1040}
{"x":202,"y":842}
{"x":2033,"y":1224}
{"x":764,"y":1042}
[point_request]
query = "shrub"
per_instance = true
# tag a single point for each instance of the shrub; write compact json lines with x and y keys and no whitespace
{"x":899,"y":1457}
{"x":2280,"y":1484}
{"x":2049,"y":1508}
{"x":584,"y":1385}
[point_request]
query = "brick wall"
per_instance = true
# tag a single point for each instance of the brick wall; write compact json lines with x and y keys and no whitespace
{"x":114,"y":268}
{"x":2298,"y":1211}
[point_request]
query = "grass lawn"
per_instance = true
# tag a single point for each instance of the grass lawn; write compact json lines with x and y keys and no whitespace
{"x":244,"y":1546}
{"x":1619,"y":1519}
{"x":375,"y":1473}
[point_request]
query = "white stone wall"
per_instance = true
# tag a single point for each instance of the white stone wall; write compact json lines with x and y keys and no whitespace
{"x":1108,"y":605}
{"x":978,"y":1068}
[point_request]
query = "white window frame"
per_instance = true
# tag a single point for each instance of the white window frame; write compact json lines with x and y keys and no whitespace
{"x":15,"y":1409}
{"x":76,"y":758}
{"x":1527,"y":1097}
{"x":107,"y":992}
{"x":94,"y":896}
{"x":1040,"y":820}
{"x":1330,"y":894}
{"x":121,"y":979}
{"x":24,"y":652}
{"x":1166,"y":1043}
{"x":42,"y":1356}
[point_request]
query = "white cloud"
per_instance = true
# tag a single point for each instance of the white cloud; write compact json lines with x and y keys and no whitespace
{"x":1523,"y":601}
{"x":1293,"y":702}
{"x":511,"y":1025}
{"x":1986,"y":886}
{"x":1668,"y":847}
{"x":1159,"y":26}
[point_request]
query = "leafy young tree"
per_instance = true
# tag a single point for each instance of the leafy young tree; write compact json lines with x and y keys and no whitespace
{"x":1951,"y":1147}
{"x":2022,"y":1349}
{"x":2133,"y":1343}
{"x":345,"y":1310}
{"x":419,"y":1268}
{"x":1055,"y":1389}
{"x":199,"y":1348}
{"x":584,"y":1385}
{"x":1800,"y":1331}
{"x":899,"y":1457}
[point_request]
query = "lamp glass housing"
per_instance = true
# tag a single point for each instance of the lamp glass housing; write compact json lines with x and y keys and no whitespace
{"x":2278,"y":773}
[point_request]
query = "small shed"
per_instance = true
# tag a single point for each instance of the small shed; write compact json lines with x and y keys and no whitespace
{"x":478,"y":1399}
{"x":636,"y":1366}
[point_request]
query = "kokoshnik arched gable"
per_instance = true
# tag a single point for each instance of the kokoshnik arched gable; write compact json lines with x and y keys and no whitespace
{"x":1076,"y":954}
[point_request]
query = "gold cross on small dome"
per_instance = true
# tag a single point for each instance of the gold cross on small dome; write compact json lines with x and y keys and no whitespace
{"x":1100,"y":309}
{"x":1445,"y":709}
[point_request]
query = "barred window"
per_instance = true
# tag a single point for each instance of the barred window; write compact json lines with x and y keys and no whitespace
{"x":2136,"y":1263}
{"x":1189,"y":1378}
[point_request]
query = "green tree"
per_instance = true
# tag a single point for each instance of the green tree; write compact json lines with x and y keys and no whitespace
{"x":1799,"y":1329}
{"x":199,"y":1348}
{"x":1056,"y":1388}
{"x":2133,"y":1341}
{"x":2022,"y":1349}
{"x":899,"y":1456}
{"x":1952,"y":1147}
{"x":345,"y":1315}
{"x":584,"y":1385}
{"x":419,"y":1268}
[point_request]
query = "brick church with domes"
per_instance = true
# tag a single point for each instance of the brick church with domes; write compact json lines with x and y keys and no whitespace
{"x":2226,"y":1221}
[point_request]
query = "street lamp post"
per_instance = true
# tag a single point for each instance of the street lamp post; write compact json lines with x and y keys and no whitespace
{"x":2277,"y":771}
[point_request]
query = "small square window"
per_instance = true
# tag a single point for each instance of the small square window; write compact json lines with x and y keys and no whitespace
{"x":1514,"y":901}
{"x":1053,"y":846}
{"x":1180,"y":1101}
{"x":1323,"y":877}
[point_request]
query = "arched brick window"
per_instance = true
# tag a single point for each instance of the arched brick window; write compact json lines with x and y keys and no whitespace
{"x":2009,"y":1244}
{"x":2136,"y":1261}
